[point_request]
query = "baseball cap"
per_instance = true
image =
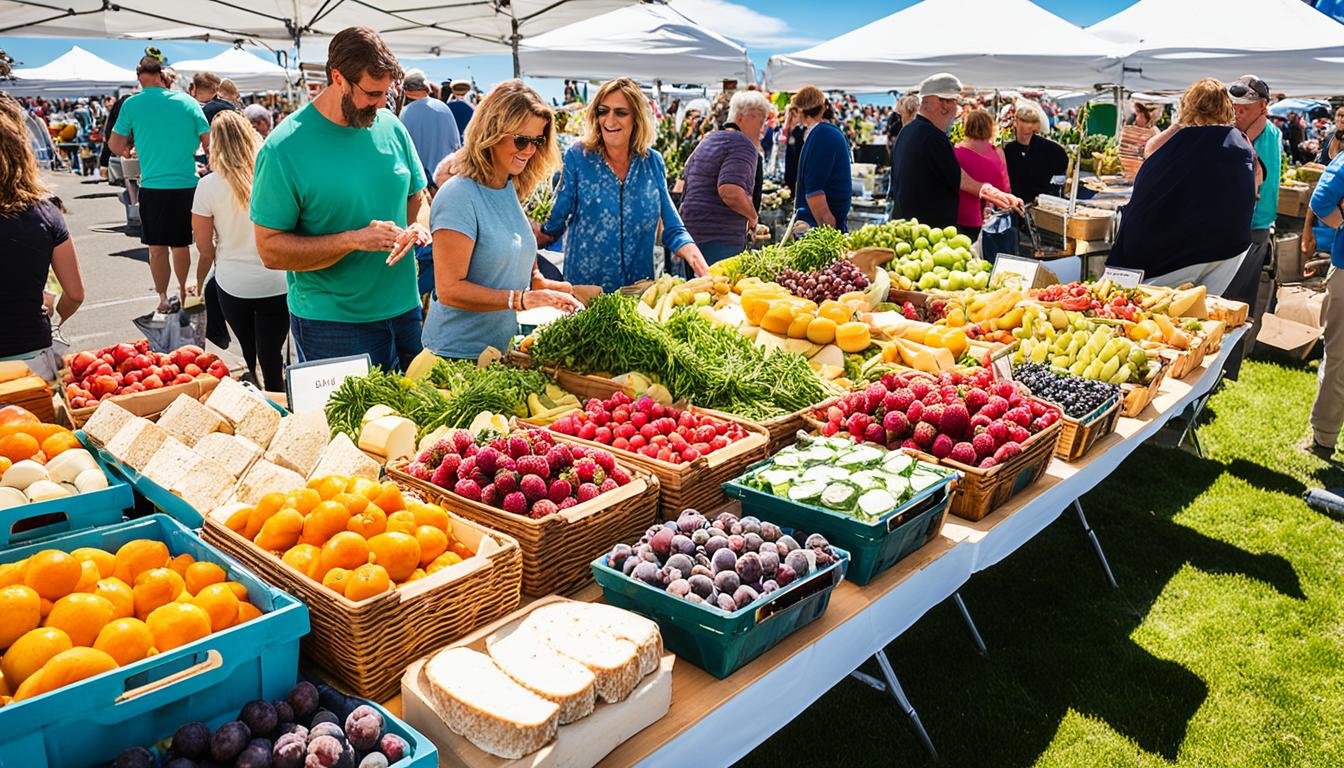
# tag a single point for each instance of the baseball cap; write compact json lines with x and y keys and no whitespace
{"x":943,"y":85}
{"x":1248,"y":89}
{"x":461,"y":86}
{"x":414,"y":81}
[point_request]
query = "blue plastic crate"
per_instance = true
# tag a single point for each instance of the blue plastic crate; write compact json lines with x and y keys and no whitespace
{"x":83,"y":723}
{"x":72,"y":513}
{"x":168,"y":502}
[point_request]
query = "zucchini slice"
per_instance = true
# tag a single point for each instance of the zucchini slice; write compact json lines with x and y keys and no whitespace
{"x":876,"y":503}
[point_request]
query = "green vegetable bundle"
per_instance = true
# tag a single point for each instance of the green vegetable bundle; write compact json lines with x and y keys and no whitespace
{"x":709,"y":366}
{"x":819,"y":248}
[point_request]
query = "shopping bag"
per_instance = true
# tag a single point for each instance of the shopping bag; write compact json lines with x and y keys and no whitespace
{"x":998,"y":235}
{"x":167,"y":332}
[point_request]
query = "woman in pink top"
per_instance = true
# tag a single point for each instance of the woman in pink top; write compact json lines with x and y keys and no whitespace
{"x":982,"y":161}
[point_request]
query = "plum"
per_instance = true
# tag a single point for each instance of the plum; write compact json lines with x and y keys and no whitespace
{"x":726,"y":603}
{"x":648,"y":573}
{"x":736,"y":529}
{"x":725,"y":520}
{"x":703,"y":560}
{"x":769,"y":563}
{"x":715,"y":544}
{"x":283,"y":712}
{"x":628,"y":567}
{"x":797,"y":560}
{"x":287,"y":728}
{"x":701,"y":584}
{"x":682,"y":563}
{"x":289,"y":751}
{"x":737,"y":543}
{"x":325,"y":716}
{"x":751,"y":524}
{"x":699,"y":537}
{"x":618,"y":554}
{"x":784,"y":575}
{"x":786,"y":544}
{"x":667,"y":575}
{"x":135,"y":757}
{"x":690,"y":521}
{"x":229,"y":741}
{"x":768,"y":586}
{"x":326,"y":729}
{"x":646,"y":553}
{"x":326,"y":752}
{"x":255,"y":756}
{"x":683,"y":544}
{"x":744,"y":596}
{"x":394,"y":747}
{"x":679,"y":588}
{"x":259,"y":717}
{"x":662,"y":542}
{"x":824,"y":557}
{"x":716,"y":532}
{"x":727,"y":581}
{"x":374,"y":760}
{"x":701,"y":570}
{"x":816,"y":541}
{"x":724,"y":560}
{"x":192,"y":740}
{"x":770,"y":532}
{"x":768,"y":546}
{"x":752,"y":542}
{"x":303,"y":700}
{"x":749,"y":567}
{"x":363,"y":728}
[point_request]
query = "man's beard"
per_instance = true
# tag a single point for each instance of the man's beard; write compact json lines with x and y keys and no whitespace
{"x":354,"y":117}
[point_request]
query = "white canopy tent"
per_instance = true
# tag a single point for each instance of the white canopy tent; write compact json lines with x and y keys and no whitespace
{"x":411,"y":27}
{"x":250,"y":73}
{"x":647,"y":42}
{"x":1293,"y":47}
{"x":74,"y":73}
{"x":986,"y":43}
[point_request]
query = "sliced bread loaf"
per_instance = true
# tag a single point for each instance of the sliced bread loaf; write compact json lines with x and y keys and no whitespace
{"x":529,"y":660}
{"x":299,"y":441}
{"x":137,"y":442}
{"x":614,"y":662}
{"x":627,"y":626}
{"x":263,"y":478}
{"x":106,"y":421}
{"x":189,"y":421}
{"x":170,"y":462}
{"x":482,"y":704}
{"x":234,"y":453}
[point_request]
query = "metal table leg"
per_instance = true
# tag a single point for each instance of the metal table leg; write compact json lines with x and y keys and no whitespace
{"x":970,"y":623}
{"x":891,"y":685}
{"x":1192,"y":426}
{"x":1096,"y":543}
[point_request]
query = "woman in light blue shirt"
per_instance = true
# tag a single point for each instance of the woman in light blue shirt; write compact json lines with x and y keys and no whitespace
{"x":612,"y":195}
{"x":485,"y":255}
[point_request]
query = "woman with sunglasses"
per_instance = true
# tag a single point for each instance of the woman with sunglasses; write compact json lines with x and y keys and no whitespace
{"x":485,"y":255}
{"x":612,"y":195}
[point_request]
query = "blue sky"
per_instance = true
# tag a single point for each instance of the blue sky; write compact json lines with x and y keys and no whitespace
{"x":766,"y":28}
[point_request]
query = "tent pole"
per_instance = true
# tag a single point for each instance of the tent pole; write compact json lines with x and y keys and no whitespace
{"x":1119,"y":113}
{"x":513,"y":43}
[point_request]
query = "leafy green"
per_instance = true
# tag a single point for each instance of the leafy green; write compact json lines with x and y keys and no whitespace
{"x":817,"y":249}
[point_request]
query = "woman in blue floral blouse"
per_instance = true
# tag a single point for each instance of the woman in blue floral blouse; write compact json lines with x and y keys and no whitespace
{"x":612,"y":195}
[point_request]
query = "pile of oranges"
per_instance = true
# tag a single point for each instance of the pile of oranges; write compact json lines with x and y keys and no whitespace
{"x":355,"y":536}
{"x":24,"y":436}
{"x":65,"y":616}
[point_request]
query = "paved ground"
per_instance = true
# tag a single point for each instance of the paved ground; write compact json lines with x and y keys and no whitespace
{"x":115,"y":266}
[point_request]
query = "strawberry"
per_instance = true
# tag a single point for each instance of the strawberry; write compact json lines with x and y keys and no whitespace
{"x":588,"y":491}
{"x":462,"y":439}
{"x":999,"y":431}
{"x":896,"y":423}
{"x":542,"y":508}
{"x":955,"y":420}
{"x":559,"y":490}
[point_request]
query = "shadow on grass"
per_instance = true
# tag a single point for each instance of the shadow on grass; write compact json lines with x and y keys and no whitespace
{"x":1059,"y":639}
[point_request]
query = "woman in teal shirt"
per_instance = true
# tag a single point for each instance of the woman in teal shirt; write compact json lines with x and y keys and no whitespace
{"x":612,"y":194}
{"x":485,"y":256}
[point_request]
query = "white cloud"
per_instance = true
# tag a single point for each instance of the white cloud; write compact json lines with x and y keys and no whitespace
{"x":738,"y":22}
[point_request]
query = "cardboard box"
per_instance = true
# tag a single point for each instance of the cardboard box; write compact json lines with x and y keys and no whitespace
{"x":1297,"y":323}
{"x":1293,"y":199}
{"x":1096,"y":227}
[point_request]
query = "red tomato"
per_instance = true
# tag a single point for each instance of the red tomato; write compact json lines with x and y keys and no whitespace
{"x":205,"y":360}
{"x":143,"y":361}
{"x":170,"y":372}
{"x":122,"y":352}
{"x":105,"y":369}
{"x":219,"y":369}
{"x":81,"y":362}
{"x":152,"y":381}
{"x":104,"y":385}
{"x":183,"y":378}
{"x":133,"y":377}
{"x":193,"y":370}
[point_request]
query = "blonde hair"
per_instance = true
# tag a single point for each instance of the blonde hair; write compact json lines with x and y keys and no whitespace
{"x":1028,"y":112}
{"x":1206,"y":103}
{"x":233,"y":152}
{"x":18,"y":164}
{"x":744,"y":102}
{"x":499,"y":117}
{"x":979,"y":124}
{"x":228,"y":91}
{"x":641,"y":138}
{"x":907,"y":106}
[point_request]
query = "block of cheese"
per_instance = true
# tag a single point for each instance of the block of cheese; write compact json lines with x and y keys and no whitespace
{"x":529,"y":660}
{"x":137,"y":442}
{"x":485,"y":706}
{"x":299,"y":441}
{"x":265,"y":477}
{"x":189,"y":421}
{"x":170,"y":462}
{"x":232,"y":452}
{"x":249,"y":415}
{"x":341,"y":457}
{"x":614,"y":662}
{"x":107,"y":421}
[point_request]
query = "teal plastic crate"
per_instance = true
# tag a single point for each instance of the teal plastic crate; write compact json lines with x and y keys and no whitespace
{"x":873,"y":546}
{"x":715,"y":640}
{"x":34,"y":522}
{"x":83,"y":723}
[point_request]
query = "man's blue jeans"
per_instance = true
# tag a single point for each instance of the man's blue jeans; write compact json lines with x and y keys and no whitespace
{"x":390,"y":344}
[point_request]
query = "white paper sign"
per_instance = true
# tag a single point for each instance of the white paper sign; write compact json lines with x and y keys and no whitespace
{"x":1013,"y":265}
{"x":1125,"y":278}
{"x":310,"y":384}
{"x":1002,"y":362}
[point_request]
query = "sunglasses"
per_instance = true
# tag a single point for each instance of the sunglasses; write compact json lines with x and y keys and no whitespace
{"x":368,"y":93}
{"x":603,"y":111}
{"x":1240,"y":91}
{"x":153,"y":52}
{"x":520,"y":141}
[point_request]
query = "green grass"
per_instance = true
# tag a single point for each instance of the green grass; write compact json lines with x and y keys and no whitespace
{"x":1222,"y":646}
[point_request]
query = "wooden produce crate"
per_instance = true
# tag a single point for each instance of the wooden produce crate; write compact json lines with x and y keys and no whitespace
{"x":1078,"y":436}
{"x":582,"y":386}
{"x":981,"y":491}
{"x":1294,"y":199}
{"x":1230,"y":313}
{"x":1079,"y":228}
{"x":31,"y":393}
{"x":1136,"y":397}
{"x":697,"y":484}
{"x":366,"y":645}
{"x":557,"y":549}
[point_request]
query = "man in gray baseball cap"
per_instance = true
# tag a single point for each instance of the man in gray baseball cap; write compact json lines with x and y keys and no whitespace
{"x":430,"y":122}
{"x":925,"y":175}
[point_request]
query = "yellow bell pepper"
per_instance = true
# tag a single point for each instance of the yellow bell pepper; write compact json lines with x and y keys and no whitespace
{"x":821,"y":330}
{"x":947,"y":338}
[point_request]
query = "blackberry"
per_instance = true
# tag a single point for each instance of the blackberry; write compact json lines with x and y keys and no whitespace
{"x":1077,"y":396}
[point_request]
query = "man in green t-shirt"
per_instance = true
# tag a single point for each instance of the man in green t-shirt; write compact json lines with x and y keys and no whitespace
{"x":336,"y":185}
{"x":165,"y":127}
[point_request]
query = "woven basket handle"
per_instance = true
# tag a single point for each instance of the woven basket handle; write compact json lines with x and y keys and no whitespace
{"x":607,"y":500}
{"x":468,"y":568}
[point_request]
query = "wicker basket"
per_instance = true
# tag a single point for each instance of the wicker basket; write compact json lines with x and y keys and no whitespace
{"x":1138,"y":396}
{"x":981,"y":491}
{"x":366,"y":645}
{"x":1078,"y":436}
{"x":557,"y":549}
{"x":697,"y":484}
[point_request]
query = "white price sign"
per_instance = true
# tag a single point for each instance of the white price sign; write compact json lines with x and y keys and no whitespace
{"x":309,"y":384}
{"x":1125,"y":278}
{"x":1014,"y":265}
{"x":1002,"y":362}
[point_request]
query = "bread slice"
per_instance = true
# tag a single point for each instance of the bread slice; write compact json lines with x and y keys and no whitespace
{"x":299,"y":441}
{"x":170,"y":462}
{"x":265,"y":477}
{"x":189,"y":421}
{"x":341,"y":457}
{"x":614,"y":662}
{"x":259,"y":423}
{"x":137,"y":442}
{"x":207,"y":486}
{"x":107,"y":421}
{"x":638,"y":630}
{"x":249,"y":415}
{"x":482,"y":704}
{"x":234,"y":453}
{"x":529,"y":660}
